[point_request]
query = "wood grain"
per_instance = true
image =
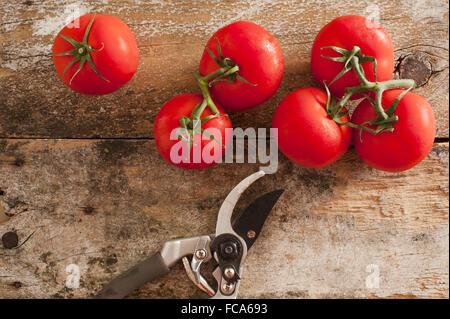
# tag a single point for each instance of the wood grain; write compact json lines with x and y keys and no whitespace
{"x":81,"y":182}
{"x":95,"y":203}
{"x":171,"y":36}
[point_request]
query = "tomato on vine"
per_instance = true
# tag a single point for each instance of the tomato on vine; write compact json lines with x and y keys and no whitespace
{"x":346,"y":32}
{"x":393,"y":129}
{"x":241,"y":67}
{"x":186,"y":146}
{"x":407,"y":144}
{"x":306,"y":134}
{"x":259,"y":60}
{"x":95,"y":54}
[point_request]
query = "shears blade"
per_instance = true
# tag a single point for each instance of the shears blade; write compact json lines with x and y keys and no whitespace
{"x":223,"y":225}
{"x":249,"y":223}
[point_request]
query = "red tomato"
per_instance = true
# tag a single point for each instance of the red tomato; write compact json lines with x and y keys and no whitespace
{"x":408,"y":144}
{"x":168,"y":119}
{"x":346,"y":32}
{"x":117,"y":61}
{"x":306,"y":134}
{"x":260,"y":61}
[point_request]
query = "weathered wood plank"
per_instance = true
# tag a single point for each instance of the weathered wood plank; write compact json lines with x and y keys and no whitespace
{"x":171,"y":36}
{"x":95,"y":203}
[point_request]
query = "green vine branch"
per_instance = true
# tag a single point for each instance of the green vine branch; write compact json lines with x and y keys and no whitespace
{"x":353,"y":60}
{"x":228,"y":72}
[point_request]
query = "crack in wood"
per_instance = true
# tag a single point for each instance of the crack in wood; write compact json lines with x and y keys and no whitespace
{"x":419,"y":45}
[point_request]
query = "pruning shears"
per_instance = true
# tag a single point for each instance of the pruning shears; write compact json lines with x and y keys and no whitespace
{"x":228,"y":246}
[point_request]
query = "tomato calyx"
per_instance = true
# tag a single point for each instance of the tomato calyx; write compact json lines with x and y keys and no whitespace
{"x":229,"y":69}
{"x":81,"y":52}
{"x":353,"y":60}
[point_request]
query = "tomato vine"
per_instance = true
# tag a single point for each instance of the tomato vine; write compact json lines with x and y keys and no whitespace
{"x":228,"y":72}
{"x":353,"y":60}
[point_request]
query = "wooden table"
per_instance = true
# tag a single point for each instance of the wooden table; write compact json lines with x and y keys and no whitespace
{"x":85,"y":189}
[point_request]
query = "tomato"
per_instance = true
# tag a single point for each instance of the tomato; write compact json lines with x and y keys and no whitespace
{"x":346,"y":32}
{"x":116,"y":61}
{"x":408,"y":144}
{"x":260,"y":61}
{"x":168,"y":119}
{"x":306,"y":134}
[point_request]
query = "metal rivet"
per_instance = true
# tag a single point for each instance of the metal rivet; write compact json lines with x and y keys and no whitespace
{"x":200,"y":253}
{"x":251,"y":234}
{"x":227,"y":288}
{"x":229,"y":272}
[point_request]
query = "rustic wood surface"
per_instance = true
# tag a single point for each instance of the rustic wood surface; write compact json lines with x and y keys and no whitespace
{"x":81,"y":181}
{"x":171,"y":37}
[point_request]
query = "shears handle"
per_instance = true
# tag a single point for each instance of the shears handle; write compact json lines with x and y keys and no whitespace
{"x":145,"y":271}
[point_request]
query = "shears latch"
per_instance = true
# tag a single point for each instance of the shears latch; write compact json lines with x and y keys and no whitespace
{"x":201,"y":254}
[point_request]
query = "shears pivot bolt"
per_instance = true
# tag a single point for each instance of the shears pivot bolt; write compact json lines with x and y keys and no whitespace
{"x":229,"y":249}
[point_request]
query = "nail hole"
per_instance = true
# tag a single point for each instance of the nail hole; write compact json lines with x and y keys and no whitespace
{"x":10,"y":240}
{"x":17,"y":284}
{"x":18,"y":162}
{"x":88,"y":210}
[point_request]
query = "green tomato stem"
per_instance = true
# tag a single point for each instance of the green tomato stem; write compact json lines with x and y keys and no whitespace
{"x":359,"y":71}
{"x":203,"y":83}
{"x":227,"y":72}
